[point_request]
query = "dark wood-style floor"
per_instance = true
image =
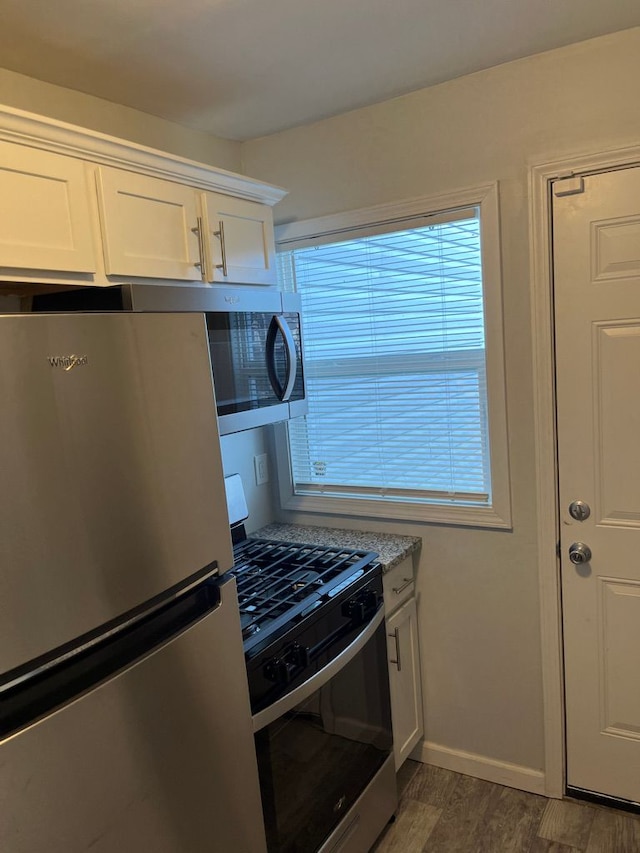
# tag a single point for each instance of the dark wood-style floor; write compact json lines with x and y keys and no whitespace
{"x":445,"y":812}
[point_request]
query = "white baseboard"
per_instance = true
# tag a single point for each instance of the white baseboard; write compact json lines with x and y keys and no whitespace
{"x":482,"y":767}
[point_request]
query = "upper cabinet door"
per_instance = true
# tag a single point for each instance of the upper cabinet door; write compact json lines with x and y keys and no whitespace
{"x":150,"y":227}
{"x":239,"y":240}
{"x":45,"y":219}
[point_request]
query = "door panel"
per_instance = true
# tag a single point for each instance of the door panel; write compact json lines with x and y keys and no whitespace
{"x":619,"y":604}
{"x":617,"y":416}
{"x":616,"y":248}
{"x":596,"y":236}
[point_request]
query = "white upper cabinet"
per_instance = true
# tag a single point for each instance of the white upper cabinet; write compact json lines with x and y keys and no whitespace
{"x":150,"y":227}
{"x":239,"y":240}
{"x":45,"y":216}
{"x":81,"y":208}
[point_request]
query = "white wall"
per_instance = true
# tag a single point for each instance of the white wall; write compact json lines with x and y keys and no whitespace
{"x":238,"y":451}
{"x":62,"y":104}
{"x":478,"y":610}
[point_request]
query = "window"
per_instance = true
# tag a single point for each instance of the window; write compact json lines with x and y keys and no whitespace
{"x":404,"y":368}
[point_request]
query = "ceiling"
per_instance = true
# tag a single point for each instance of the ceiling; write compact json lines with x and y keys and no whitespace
{"x":246,"y":68}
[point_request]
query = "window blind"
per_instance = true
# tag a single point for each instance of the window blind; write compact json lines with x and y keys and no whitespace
{"x":395,"y":363}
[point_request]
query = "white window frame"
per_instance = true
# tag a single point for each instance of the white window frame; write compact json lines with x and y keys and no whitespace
{"x":498,"y":513}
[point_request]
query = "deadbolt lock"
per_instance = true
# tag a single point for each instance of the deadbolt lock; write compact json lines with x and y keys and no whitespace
{"x":579,"y":510}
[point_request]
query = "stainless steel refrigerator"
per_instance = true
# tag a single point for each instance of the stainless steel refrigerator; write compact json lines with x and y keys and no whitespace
{"x":124,"y":712}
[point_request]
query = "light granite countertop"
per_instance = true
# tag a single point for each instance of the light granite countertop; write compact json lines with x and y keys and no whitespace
{"x":391,"y":548}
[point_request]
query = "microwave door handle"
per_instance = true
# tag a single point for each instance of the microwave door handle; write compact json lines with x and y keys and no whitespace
{"x":279,"y":324}
{"x":290,"y":346}
{"x":270,"y":353}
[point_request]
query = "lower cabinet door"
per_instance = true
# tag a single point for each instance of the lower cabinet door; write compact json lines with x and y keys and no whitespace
{"x":404,"y":680}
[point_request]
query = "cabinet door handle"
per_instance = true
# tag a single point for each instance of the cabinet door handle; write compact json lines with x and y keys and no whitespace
{"x":223,"y":248}
{"x":396,"y":637}
{"x":198,"y":231}
{"x":403,"y":586}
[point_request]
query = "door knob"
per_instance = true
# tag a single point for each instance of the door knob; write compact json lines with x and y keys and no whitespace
{"x":579,"y":553}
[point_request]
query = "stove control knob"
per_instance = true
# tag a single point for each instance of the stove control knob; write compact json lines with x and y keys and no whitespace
{"x":354,"y":609}
{"x":362,"y":607}
{"x":278,"y":670}
{"x":370,"y":601}
{"x":298,"y":655}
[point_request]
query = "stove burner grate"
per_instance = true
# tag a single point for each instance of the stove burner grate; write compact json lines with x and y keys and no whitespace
{"x":279,"y":581}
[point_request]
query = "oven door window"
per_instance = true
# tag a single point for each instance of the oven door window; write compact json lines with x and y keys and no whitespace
{"x":316,"y":760}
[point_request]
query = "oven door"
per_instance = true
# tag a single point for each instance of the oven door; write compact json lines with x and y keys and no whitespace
{"x":321,"y":745}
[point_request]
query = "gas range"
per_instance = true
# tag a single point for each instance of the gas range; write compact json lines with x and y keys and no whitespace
{"x":280,"y":584}
{"x":316,"y":658}
{"x":315,"y":650}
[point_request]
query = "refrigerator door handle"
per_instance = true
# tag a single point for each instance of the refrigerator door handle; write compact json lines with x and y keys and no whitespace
{"x":25,"y":700}
{"x":84,"y":644}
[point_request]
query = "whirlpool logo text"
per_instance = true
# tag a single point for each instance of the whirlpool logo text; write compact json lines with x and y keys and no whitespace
{"x":68,"y":362}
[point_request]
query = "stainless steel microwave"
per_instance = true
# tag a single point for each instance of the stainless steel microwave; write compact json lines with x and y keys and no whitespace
{"x":255,"y":340}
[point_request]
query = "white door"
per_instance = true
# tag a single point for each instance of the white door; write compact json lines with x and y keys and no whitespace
{"x":45,"y":218}
{"x":239,"y":240}
{"x":150,"y":227}
{"x":596,"y":238}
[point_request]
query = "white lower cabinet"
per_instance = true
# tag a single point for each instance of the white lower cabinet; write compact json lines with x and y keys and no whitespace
{"x":404,"y":679}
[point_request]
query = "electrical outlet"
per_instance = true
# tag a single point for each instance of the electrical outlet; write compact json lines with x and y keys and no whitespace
{"x":261,"y":464}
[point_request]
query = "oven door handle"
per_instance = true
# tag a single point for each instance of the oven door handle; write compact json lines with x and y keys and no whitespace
{"x":319,"y":679}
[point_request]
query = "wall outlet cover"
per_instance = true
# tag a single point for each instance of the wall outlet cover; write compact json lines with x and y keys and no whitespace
{"x":261,"y":464}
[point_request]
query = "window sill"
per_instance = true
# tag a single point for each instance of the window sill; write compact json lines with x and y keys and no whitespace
{"x":466,"y":516}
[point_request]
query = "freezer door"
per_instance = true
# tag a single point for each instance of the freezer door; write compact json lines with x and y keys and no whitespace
{"x":112,"y":486}
{"x":160,"y":758}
